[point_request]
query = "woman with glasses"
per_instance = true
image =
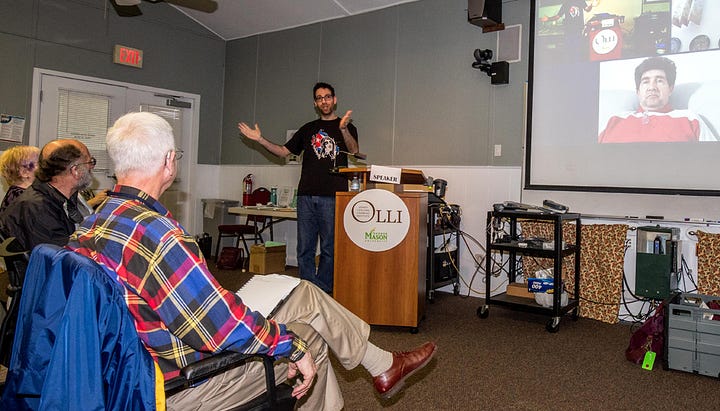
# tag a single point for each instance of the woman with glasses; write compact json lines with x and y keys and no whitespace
{"x":47,"y":211}
{"x":17,"y":166}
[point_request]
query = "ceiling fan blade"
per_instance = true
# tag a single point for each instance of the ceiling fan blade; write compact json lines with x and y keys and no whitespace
{"x":207,"y":6}
{"x":126,"y":8}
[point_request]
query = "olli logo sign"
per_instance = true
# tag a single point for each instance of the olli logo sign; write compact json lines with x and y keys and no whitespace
{"x":376,"y":220}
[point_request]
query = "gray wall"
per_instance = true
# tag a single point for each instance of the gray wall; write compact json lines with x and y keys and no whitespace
{"x":78,"y":36}
{"x":405,"y":72}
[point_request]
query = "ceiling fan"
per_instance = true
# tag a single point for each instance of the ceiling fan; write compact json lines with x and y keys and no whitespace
{"x":131,"y":8}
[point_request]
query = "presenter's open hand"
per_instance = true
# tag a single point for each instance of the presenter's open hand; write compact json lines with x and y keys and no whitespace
{"x":251,"y":133}
{"x":345,"y":120}
{"x":307,"y":368}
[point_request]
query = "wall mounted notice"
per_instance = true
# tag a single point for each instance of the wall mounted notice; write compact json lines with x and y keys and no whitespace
{"x":11,"y":128}
{"x":376,"y":220}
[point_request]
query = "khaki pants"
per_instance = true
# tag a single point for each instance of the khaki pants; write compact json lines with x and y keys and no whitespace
{"x":319,"y":320}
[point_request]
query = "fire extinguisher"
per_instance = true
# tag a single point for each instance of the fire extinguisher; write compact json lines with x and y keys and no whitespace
{"x":247,"y":189}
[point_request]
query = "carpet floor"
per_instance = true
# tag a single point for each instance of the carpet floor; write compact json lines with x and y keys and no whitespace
{"x":508,"y":361}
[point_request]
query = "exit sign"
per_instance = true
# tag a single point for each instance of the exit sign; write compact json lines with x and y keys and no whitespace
{"x":128,"y":56}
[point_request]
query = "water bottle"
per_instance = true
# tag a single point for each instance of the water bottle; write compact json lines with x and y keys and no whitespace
{"x":355,"y":184}
{"x":293,"y":203}
{"x":657,"y":246}
{"x":273,"y":196}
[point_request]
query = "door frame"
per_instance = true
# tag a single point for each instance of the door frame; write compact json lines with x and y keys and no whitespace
{"x":190,"y":148}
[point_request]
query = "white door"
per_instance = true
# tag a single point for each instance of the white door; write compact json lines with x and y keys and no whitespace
{"x":176,"y":198}
{"x":68,"y":106}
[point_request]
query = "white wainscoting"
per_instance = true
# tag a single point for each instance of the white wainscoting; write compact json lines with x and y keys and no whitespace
{"x":475,"y":189}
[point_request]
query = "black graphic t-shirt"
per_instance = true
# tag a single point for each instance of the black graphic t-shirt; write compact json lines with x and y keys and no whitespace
{"x":574,"y":17}
{"x":321,"y":142}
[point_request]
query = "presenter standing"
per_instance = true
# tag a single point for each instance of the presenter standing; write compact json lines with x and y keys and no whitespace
{"x":324,"y":142}
{"x":572,"y":13}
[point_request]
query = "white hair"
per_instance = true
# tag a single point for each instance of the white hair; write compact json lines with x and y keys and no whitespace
{"x":139,"y":142}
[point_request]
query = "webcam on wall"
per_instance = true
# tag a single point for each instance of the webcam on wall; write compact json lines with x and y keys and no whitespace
{"x":497,"y":71}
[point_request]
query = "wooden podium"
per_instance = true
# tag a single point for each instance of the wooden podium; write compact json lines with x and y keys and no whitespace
{"x":385,"y":287}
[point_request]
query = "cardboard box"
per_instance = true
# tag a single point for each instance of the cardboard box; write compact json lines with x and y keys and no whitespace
{"x":267,"y":258}
{"x":519,"y":290}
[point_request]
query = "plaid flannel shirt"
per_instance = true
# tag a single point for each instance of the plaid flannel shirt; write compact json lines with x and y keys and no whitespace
{"x":181,"y":312}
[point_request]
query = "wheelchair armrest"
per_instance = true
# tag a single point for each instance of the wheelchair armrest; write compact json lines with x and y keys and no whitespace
{"x":276,"y":397}
{"x":207,"y":367}
{"x":214,"y":365}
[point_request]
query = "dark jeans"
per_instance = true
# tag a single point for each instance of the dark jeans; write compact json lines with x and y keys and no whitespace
{"x":316,"y":218}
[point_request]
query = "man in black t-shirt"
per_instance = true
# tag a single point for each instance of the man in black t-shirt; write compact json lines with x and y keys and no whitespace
{"x":324,"y":142}
{"x":573,"y":23}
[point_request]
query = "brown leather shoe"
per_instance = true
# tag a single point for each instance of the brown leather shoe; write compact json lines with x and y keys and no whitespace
{"x":404,"y":365}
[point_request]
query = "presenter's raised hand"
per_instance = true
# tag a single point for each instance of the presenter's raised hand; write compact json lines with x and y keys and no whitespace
{"x":345,"y":120}
{"x":251,"y":133}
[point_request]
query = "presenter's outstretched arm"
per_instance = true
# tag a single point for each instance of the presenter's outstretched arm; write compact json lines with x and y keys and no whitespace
{"x":256,"y":135}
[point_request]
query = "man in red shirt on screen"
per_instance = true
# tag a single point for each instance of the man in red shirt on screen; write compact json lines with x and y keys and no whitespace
{"x":655,"y":120}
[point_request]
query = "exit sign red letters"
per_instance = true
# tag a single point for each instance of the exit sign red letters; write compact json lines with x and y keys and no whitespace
{"x":128,"y":56}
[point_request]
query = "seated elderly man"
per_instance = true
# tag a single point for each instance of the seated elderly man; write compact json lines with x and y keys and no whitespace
{"x":47,"y":211}
{"x":181,"y":312}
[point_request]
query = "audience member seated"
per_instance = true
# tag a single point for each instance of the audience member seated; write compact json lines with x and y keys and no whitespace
{"x":47,"y":212}
{"x":17,"y":166}
{"x":183,"y":315}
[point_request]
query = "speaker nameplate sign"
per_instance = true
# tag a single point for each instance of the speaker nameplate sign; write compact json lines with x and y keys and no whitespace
{"x":382,"y":174}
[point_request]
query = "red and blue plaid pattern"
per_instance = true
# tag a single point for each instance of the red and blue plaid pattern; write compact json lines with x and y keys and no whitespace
{"x":181,"y":312}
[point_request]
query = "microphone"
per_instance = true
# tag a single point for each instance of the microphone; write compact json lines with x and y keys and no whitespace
{"x":359,"y":156}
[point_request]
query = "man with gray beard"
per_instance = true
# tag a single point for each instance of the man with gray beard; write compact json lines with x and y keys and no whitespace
{"x":47,"y":212}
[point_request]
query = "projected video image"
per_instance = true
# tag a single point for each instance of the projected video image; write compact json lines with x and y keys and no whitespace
{"x":659,"y":99}
{"x":603,"y":29}
{"x":694,"y":25}
{"x":620,"y":86}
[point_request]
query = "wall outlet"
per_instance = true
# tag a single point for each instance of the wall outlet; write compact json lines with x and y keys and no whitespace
{"x":498,"y":150}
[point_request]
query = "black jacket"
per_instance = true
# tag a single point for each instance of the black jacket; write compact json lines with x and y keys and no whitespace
{"x":40,"y":215}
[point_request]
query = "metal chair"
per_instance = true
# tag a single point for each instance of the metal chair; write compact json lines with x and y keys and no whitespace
{"x":254,"y":225}
{"x":15,"y":263}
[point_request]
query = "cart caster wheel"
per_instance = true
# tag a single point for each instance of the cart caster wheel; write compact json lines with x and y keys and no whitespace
{"x":483,"y":311}
{"x":456,"y":289}
{"x":414,"y":330}
{"x":553,"y":325}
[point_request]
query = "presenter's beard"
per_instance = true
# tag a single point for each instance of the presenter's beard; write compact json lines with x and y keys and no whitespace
{"x":326,"y":109}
